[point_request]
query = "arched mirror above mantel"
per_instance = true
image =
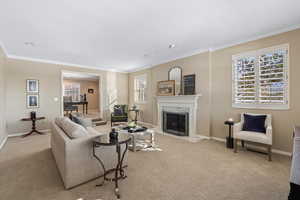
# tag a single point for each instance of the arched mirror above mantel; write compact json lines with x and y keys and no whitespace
{"x":175,"y":73}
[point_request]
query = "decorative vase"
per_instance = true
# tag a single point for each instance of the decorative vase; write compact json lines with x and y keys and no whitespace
{"x":113,"y":136}
{"x":33,"y":115}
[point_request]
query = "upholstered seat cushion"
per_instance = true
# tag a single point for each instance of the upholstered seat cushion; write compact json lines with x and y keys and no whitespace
{"x":253,"y":137}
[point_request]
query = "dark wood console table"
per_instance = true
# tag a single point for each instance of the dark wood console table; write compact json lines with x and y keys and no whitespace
{"x":33,"y":129}
{"x":83,"y":103}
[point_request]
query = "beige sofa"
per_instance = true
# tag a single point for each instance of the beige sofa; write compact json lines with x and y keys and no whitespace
{"x":74,"y":157}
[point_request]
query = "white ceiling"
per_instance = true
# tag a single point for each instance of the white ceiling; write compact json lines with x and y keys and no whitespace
{"x":126,"y":35}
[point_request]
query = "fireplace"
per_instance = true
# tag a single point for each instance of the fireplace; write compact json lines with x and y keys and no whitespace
{"x":176,"y":123}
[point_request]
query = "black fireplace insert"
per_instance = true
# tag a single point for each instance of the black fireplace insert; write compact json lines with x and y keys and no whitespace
{"x":176,"y":123}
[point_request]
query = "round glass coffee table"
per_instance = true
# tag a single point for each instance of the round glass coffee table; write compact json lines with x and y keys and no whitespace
{"x":123,"y":139}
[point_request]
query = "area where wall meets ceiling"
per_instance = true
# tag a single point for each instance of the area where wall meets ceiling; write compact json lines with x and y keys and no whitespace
{"x":133,"y":34}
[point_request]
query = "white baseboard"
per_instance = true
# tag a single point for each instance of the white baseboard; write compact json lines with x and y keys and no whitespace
{"x":204,"y":137}
{"x":218,"y":139}
{"x":3,"y":142}
{"x":200,"y":137}
{"x":24,"y":133}
{"x":285,"y":153}
{"x":273,"y":150}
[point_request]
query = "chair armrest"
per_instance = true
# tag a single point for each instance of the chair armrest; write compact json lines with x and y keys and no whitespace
{"x":269,"y":133}
{"x":237,"y":128}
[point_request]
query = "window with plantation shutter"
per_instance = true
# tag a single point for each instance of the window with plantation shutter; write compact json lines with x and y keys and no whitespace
{"x":260,"y":78}
{"x":245,"y":89}
{"x":140,"y":87}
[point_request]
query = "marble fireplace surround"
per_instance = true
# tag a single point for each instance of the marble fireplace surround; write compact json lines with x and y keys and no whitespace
{"x":180,"y":103}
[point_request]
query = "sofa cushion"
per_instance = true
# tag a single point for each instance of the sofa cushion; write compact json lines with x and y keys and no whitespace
{"x":85,"y":122}
{"x":254,"y":137}
{"x":72,"y":129}
{"x":58,"y":121}
{"x":255,"y":123}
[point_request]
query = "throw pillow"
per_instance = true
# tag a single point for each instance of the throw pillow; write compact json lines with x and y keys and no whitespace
{"x":118,"y":111}
{"x":85,"y":122}
{"x":72,"y":129}
{"x":255,"y":123}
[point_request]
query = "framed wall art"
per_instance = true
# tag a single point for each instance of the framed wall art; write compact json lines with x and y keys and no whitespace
{"x":32,"y":86}
{"x":32,"y":101}
{"x":166,"y":88}
{"x":91,"y":91}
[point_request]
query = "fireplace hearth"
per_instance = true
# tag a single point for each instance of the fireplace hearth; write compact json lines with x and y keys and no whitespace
{"x":176,"y":123}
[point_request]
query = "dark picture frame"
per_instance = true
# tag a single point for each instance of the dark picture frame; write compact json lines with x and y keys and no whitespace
{"x":91,"y":91}
{"x":32,"y":101}
{"x":189,"y":84}
{"x":32,"y":86}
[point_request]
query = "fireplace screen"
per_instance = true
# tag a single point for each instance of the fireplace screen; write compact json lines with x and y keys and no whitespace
{"x":176,"y":123}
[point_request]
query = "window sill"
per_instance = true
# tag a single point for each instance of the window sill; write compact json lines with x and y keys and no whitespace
{"x":262,"y":107}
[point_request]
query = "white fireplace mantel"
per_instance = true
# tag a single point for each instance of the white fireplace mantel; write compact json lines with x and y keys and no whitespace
{"x":186,"y":103}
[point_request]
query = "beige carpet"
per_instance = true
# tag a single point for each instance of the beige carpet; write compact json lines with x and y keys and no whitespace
{"x":182,"y":171}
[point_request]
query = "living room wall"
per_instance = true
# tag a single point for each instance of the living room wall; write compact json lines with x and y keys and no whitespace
{"x":49,"y":76}
{"x":221,"y":109}
{"x":197,"y":64}
{"x":3,"y":133}
{"x":213,"y":80}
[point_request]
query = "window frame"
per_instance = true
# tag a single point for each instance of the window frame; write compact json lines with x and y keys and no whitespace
{"x":72,"y":84}
{"x":136,"y":78}
{"x":286,"y":69}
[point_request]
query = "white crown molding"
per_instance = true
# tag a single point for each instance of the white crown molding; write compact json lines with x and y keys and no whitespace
{"x":61,"y":63}
{"x":3,"y":142}
{"x":191,"y":53}
{"x":199,"y":51}
{"x":284,"y":30}
{"x":3,"y":48}
{"x":163,"y":61}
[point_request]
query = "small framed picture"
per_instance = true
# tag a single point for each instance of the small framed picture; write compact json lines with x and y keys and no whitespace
{"x":166,"y":88}
{"x":32,"y":101}
{"x":32,"y":86}
{"x":91,"y":91}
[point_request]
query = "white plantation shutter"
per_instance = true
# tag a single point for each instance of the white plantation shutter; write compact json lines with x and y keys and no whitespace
{"x":244,"y":72}
{"x":260,"y":78}
{"x":273,"y":77}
